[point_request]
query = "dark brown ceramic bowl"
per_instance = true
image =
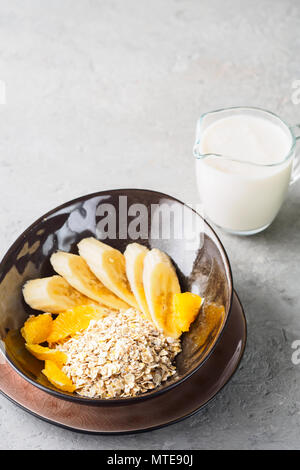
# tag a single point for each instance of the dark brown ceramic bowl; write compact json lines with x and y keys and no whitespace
{"x":201,"y":263}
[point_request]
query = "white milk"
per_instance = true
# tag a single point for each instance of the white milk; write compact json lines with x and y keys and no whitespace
{"x":243,"y":195}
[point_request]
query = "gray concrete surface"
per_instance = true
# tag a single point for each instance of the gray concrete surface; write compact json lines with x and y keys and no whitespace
{"x":105,"y":94}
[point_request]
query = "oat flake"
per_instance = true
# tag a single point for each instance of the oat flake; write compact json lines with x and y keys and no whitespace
{"x":121,"y":355}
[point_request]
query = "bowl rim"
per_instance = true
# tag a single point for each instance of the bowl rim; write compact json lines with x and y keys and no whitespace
{"x":148,"y":395}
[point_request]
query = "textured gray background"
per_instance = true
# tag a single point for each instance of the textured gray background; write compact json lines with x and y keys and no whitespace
{"x":105,"y":94}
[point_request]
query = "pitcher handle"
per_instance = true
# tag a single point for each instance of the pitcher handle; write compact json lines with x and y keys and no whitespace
{"x":296,"y":164}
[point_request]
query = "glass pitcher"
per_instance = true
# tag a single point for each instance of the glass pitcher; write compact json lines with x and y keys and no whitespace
{"x":239,"y":196}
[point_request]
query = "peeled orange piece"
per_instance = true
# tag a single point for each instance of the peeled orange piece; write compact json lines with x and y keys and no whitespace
{"x":72,"y":321}
{"x":44,"y":354}
{"x":186,"y":307}
{"x":57,"y":377}
{"x":37,"y":329}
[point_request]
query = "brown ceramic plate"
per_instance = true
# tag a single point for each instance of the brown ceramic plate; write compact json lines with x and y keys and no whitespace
{"x":170,"y":407}
{"x":165,"y":223}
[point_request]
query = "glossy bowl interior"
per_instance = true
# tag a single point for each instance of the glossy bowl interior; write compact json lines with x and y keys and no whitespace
{"x":200,"y":260}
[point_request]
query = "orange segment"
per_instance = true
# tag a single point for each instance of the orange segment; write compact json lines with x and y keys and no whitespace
{"x":72,"y":321}
{"x":57,"y":377}
{"x":43,"y":354}
{"x":37,"y":329}
{"x":185,"y":309}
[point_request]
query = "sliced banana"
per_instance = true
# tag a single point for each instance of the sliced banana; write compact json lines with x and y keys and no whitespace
{"x":75,"y":271}
{"x":134,"y":258}
{"x":108,"y":265}
{"x":160,"y":284}
{"x":52,"y":294}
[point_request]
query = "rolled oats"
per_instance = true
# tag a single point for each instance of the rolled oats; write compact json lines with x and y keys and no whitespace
{"x":121,"y":355}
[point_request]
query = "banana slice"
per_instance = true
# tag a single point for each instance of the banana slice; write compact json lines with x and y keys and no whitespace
{"x":52,"y":294}
{"x":160,"y":284}
{"x":134,"y":258}
{"x":76,"y":272}
{"x":108,"y":265}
